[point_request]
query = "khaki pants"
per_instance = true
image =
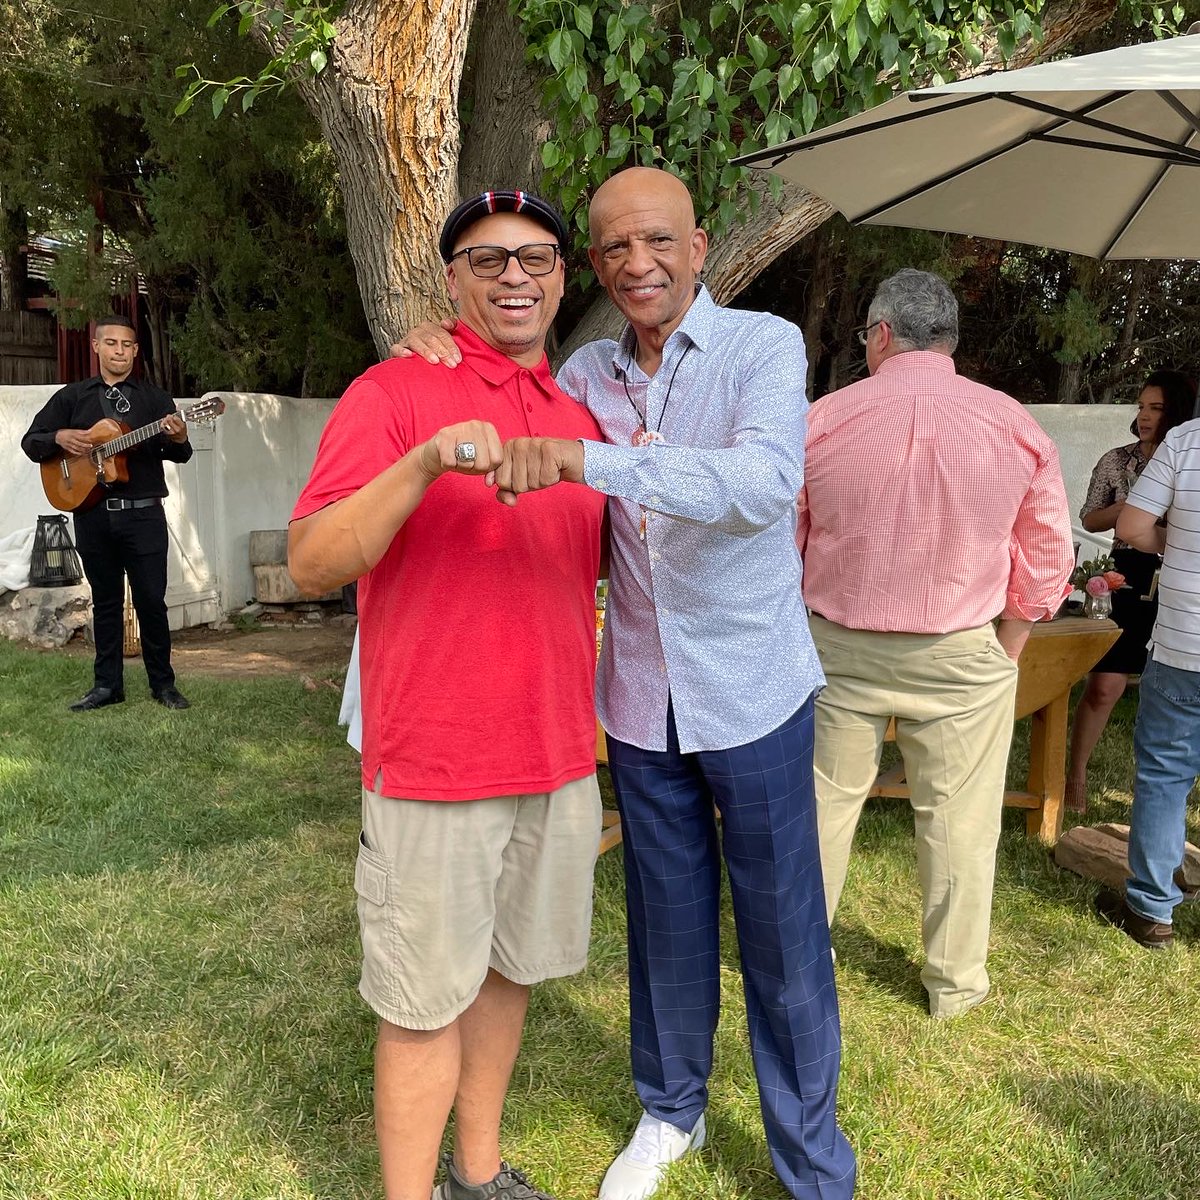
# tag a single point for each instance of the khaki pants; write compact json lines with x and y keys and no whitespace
{"x":952,"y":697}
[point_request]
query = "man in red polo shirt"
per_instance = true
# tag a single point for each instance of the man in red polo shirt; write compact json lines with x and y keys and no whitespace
{"x":481,"y":816}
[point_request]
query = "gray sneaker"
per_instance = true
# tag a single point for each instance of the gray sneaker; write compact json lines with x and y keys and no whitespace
{"x":509,"y":1184}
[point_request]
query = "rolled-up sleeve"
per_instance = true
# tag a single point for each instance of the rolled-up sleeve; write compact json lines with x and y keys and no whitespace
{"x":1041,"y":553}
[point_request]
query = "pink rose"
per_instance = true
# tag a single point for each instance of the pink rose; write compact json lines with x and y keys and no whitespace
{"x":1097,"y":586}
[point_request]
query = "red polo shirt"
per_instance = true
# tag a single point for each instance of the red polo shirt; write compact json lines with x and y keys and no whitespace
{"x":477,"y":627}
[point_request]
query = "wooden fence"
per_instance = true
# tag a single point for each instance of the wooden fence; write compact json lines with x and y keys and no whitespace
{"x":28,"y":348}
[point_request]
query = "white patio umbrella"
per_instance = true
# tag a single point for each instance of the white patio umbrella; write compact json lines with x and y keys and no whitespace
{"x":1099,"y":155}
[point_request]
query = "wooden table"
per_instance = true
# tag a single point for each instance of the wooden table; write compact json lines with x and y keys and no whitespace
{"x":1057,"y":655}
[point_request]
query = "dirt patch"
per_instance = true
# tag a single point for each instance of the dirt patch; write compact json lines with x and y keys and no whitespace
{"x":318,"y":651}
{"x":315,"y":650}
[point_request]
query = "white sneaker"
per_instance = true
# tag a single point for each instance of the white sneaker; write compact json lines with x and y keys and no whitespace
{"x":638,"y":1170}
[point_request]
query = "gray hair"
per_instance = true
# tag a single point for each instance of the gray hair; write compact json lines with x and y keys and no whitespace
{"x":920,"y":308}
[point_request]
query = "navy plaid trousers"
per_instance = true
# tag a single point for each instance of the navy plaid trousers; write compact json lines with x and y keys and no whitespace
{"x":764,"y":792}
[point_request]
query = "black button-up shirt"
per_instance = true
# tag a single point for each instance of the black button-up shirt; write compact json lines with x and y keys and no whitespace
{"x":78,"y":406}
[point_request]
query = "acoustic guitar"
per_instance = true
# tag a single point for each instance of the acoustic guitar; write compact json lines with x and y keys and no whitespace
{"x":77,"y":482}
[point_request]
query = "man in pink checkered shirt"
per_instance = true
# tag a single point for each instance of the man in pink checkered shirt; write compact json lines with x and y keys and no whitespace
{"x":932,"y":506}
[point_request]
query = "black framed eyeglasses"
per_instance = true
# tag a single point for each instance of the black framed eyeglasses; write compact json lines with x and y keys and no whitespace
{"x":537,"y":258}
{"x":117,"y":399}
{"x":865,"y":332}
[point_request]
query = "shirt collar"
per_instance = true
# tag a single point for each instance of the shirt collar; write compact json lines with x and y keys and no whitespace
{"x":493,"y":365}
{"x":933,"y":360}
{"x":696,"y":326}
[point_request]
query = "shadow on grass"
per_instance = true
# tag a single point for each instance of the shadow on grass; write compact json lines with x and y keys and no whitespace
{"x":1130,"y":1140}
{"x":888,"y":965}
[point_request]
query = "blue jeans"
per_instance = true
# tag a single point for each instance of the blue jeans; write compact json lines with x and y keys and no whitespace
{"x":1166,"y":745}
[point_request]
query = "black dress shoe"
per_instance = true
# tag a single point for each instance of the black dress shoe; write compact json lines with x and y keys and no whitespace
{"x":172,"y":697}
{"x":1153,"y":935}
{"x":98,"y":697}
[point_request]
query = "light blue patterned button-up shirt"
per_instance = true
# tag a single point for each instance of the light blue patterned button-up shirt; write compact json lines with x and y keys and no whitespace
{"x":707,"y":609}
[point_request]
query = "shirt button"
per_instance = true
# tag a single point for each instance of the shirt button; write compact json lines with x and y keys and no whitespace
{"x":655,"y":500}
{"x":602,"y":484}
{"x":528,"y":407}
{"x":654,"y":556}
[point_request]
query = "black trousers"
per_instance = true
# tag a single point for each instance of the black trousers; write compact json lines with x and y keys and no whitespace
{"x":112,"y":545}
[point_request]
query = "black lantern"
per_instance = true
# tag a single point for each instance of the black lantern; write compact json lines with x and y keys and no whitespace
{"x":54,"y":563}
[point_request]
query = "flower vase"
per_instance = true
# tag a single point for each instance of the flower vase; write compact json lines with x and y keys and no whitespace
{"x":1098,"y":607}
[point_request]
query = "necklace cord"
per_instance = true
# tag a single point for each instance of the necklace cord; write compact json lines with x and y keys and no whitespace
{"x":645,"y":420}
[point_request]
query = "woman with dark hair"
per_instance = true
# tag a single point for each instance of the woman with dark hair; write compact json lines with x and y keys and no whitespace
{"x":1167,"y":399}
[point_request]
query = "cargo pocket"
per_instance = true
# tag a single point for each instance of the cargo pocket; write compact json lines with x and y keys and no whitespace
{"x":374,"y":928}
{"x":370,"y":873}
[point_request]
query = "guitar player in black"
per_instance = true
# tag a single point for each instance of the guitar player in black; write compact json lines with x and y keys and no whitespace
{"x":126,"y":532}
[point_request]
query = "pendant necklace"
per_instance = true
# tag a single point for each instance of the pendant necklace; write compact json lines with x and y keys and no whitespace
{"x":646,"y":437}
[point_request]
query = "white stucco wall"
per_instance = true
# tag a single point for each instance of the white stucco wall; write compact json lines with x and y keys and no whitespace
{"x":249,"y":468}
{"x":264,"y":450}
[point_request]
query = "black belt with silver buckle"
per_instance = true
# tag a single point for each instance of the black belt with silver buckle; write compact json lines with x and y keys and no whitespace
{"x":115,"y":505}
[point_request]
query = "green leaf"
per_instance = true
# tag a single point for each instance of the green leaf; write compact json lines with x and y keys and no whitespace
{"x":778,"y":128}
{"x":218,"y":13}
{"x":877,"y":10}
{"x":824,"y":59}
{"x":575,"y":80}
{"x":808,"y":111}
{"x":220,"y":98}
{"x":842,"y":11}
{"x":761,"y":79}
{"x":184,"y":69}
{"x":583,"y":20}
{"x":615,"y":32}
{"x":550,"y":154}
{"x":246,"y":24}
{"x":853,"y":42}
{"x":889,"y":49}
{"x":185,"y":104}
{"x":317,"y":60}
{"x":789,"y":80}
{"x":759,"y":50}
{"x":558,"y":49}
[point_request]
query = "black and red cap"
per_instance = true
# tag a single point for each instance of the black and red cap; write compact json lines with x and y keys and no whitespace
{"x":507,"y":200}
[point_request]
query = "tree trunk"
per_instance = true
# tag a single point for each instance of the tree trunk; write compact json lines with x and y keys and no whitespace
{"x":158,"y":315}
{"x":1123,"y":355}
{"x":1070,"y":377}
{"x":820,"y":289}
{"x":503,"y":126}
{"x":848,"y":354}
{"x":14,"y":279}
{"x":388,"y":106}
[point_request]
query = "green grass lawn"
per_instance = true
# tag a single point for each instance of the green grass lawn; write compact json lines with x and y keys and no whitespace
{"x":179,"y":1015}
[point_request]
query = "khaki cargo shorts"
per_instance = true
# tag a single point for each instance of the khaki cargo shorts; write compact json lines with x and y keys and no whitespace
{"x":448,"y":889}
